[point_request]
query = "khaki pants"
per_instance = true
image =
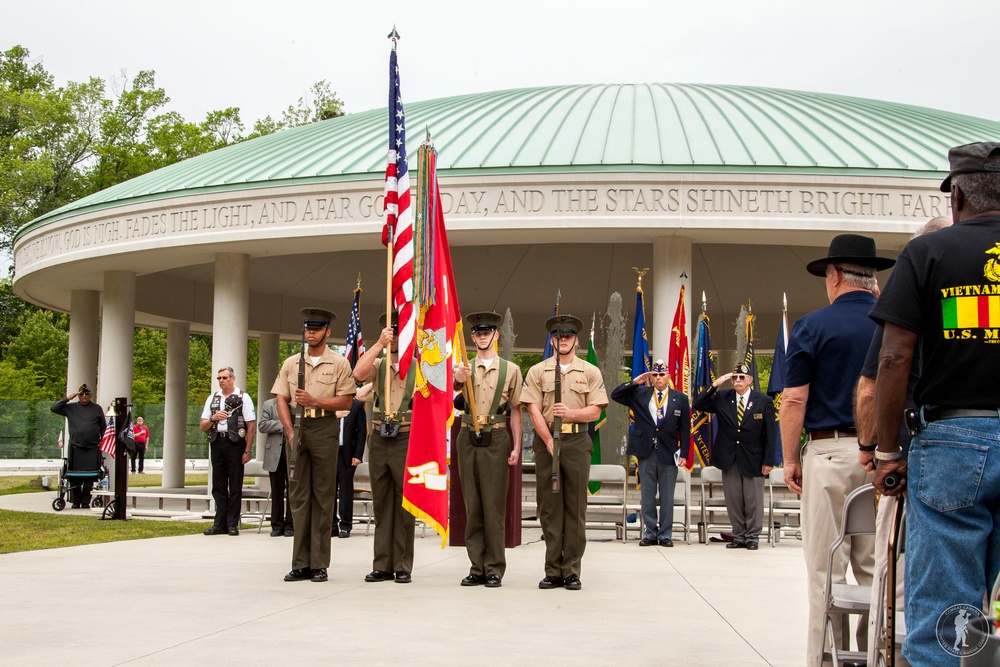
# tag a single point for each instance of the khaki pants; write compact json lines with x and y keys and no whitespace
{"x":563,"y":515}
{"x":830,"y":471}
{"x":311,"y":495}
{"x":394,"y":526}
{"x":484,"y":472}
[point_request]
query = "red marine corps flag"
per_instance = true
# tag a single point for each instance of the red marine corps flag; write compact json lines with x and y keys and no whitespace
{"x":679,"y":367}
{"x":438,"y":332}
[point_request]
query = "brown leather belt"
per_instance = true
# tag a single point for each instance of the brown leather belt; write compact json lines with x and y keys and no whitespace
{"x":836,"y":433}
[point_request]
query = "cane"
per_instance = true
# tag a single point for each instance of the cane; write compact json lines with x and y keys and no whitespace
{"x":890,"y":587}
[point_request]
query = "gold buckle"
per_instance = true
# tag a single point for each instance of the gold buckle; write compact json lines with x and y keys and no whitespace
{"x":569,"y":428}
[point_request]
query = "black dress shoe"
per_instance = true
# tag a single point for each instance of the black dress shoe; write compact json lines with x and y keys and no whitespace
{"x":289,"y":532}
{"x":474,"y":580}
{"x":334,"y":531}
{"x":300,"y":574}
{"x":215,"y":531}
{"x":344,"y":533}
{"x":493,"y":581}
{"x":646,"y":542}
{"x":319,"y":574}
{"x":233,"y":532}
{"x":666,"y":542}
{"x":752,"y":546}
{"x":572,"y":583}
{"x":403,"y":577}
{"x":551,"y":582}
{"x":277,"y":532}
{"x":736,"y":545}
{"x":378,"y":575}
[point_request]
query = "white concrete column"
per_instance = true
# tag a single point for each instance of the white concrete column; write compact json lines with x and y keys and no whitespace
{"x":175,"y":404}
{"x":117,"y":341}
{"x":229,"y":315}
{"x":671,"y":258}
{"x":267,"y":371}
{"x":81,"y":365}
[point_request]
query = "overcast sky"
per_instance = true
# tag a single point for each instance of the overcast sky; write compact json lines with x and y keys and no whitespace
{"x":263,"y":56}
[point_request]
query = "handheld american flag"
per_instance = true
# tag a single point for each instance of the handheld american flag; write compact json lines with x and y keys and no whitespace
{"x":355,"y":343}
{"x":398,"y":230}
{"x":108,"y":439}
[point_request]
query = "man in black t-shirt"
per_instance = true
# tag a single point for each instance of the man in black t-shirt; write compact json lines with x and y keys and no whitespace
{"x":944,"y":296}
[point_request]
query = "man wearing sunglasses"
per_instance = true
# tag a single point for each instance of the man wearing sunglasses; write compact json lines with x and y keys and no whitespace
{"x":743,"y":450}
{"x":662,"y":423}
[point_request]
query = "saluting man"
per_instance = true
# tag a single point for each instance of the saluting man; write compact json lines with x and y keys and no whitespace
{"x":328,"y":387}
{"x":484,"y":457}
{"x":743,"y":450}
{"x":660,"y":433}
{"x":563,"y":515}
{"x":387,"y":445}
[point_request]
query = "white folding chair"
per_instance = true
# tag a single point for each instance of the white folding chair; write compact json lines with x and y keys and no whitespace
{"x":363,"y":495}
{"x":780,"y":506}
{"x":682,"y":498}
{"x":613,"y":491}
{"x":711,"y":503}
{"x":844,"y":599}
{"x":255,"y":468}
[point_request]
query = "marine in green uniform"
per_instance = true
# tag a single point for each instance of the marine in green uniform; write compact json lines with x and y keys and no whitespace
{"x":563,"y":514}
{"x":387,"y":445}
{"x":328,"y":387}
{"x":484,"y":457}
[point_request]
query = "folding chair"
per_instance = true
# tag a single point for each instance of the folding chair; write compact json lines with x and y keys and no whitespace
{"x":844,"y":599}
{"x":613,"y":482}
{"x":682,"y":498}
{"x":363,"y":495}
{"x":782,"y":506}
{"x":710,"y":504}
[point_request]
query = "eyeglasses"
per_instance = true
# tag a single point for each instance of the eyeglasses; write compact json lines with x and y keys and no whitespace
{"x":657,"y":375}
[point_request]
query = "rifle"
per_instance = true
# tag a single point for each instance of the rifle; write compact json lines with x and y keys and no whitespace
{"x":556,"y":426}
{"x":292,"y":475}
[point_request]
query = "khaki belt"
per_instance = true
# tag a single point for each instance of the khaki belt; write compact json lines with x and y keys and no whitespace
{"x":836,"y":433}
{"x":571,"y":428}
{"x":316,"y":413}
{"x":485,"y":420}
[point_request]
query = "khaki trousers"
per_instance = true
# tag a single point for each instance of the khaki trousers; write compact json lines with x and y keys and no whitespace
{"x":312,"y":494}
{"x":830,"y":471}
{"x":563,"y":515}
{"x":484,"y":472}
{"x":394,"y":526}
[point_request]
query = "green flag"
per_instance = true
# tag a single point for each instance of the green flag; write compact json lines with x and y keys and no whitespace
{"x":595,"y":458}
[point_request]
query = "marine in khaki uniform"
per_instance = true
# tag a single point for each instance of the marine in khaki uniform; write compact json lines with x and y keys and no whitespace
{"x":387,"y":445}
{"x":483,"y":458}
{"x":328,"y":387}
{"x":563,"y":515}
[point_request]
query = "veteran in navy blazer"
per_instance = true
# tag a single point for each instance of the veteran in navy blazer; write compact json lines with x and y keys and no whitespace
{"x":743,"y":449}
{"x":661,"y":433}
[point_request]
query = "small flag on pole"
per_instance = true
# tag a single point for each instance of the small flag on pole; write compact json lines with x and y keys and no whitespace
{"x":108,"y":439}
{"x":549,"y":350}
{"x":355,"y":343}
{"x":679,"y":366}
{"x":702,"y":426}
{"x":595,"y":457}
{"x":776,"y":383}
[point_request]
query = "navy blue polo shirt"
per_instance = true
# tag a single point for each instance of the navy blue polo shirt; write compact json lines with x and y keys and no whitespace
{"x":826,"y":350}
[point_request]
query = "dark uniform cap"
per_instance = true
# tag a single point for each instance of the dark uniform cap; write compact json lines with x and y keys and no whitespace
{"x":564,"y":324}
{"x":233,"y":401}
{"x":317,"y":318}
{"x":485,"y":321}
{"x":84,"y":389}
{"x":741,"y":369}
{"x":395,"y":320}
{"x":970,"y":159}
{"x":850,"y":249}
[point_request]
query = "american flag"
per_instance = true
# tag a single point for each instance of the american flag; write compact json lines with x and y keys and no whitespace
{"x":399,"y":221}
{"x":108,"y":439}
{"x":355,"y":344}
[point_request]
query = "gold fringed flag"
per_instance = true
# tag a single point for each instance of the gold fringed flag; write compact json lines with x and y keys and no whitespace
{"x":439,"y":326}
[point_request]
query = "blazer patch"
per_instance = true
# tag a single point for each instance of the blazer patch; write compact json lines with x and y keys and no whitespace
{"x":758,"y":415}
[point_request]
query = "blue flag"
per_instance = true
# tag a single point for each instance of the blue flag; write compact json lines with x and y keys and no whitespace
{"x":640,"y":346}
{"x":548,"y":339}
{"x":702,"y":426}
{"x":776,"y":383}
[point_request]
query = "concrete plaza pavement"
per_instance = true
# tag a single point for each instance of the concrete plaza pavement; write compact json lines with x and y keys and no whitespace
{"x":195,"y":599}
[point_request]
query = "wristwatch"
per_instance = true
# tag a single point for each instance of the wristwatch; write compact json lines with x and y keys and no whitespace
{"x":866,"y":448}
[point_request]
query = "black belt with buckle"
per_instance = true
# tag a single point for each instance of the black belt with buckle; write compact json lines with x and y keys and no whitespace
{"x":937,"y":414}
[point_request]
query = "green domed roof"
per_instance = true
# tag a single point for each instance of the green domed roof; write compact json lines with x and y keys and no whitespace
{"x":587,"y":128}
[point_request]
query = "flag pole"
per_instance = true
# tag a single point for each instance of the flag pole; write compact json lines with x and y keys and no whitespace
{"x":390,"y":237}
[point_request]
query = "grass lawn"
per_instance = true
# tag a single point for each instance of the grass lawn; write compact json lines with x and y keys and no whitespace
{"x":33,"y":483}
{"x":30,"y":531}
